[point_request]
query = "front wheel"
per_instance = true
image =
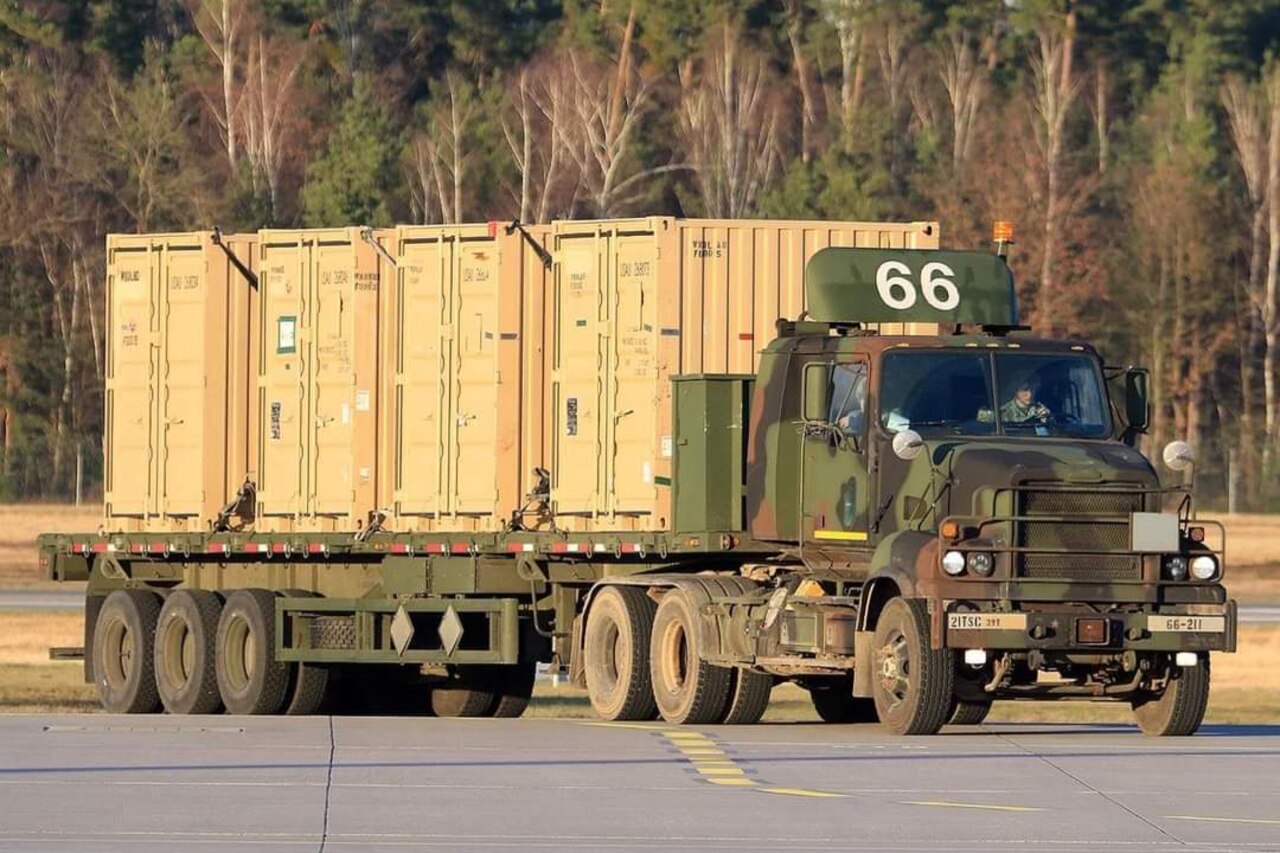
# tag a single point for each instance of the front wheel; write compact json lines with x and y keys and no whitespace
{"x":913,"y":683}
{"x":1178,"y":710}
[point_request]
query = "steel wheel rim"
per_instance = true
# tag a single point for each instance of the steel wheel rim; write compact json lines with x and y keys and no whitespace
{"x":119,"y":658}
{"x":241,"y":647}
{"x":178,"y":644}
{"x":893,"y":668}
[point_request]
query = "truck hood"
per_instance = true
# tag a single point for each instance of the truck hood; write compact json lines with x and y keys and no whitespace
{"x":972,"y":465}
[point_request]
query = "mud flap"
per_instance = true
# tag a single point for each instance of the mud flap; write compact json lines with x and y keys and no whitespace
{"x":862,"y":657}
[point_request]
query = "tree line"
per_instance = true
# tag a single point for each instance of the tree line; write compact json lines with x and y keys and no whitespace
{"x":1135,"y":144}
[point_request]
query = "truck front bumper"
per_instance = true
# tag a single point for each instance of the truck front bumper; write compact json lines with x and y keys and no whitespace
{"x":1166,"y":628}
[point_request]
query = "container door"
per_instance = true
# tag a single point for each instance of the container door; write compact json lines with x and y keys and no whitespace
{"x":423,"y":369}
{"x":185,"y":322}
{"x":579,"y":387}
{"x":283,"y":379}
{"x":333,"y":321}
{"x":633,"y":380}
{"x":131,"y":374}
{"x":477,"y":385}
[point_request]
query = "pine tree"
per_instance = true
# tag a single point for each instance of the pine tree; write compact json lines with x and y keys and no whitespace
{"x":352,"y":181}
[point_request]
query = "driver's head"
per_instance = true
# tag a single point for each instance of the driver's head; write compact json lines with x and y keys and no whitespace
{"x":1023,"y":394}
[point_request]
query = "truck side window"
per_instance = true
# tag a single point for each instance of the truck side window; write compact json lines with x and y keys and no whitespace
{"x":849,"y":398}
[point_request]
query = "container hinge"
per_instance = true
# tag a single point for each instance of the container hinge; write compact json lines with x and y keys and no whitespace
{"x":538,"y":248}
{"x":366,"y":234}
{"x":249,"y":275}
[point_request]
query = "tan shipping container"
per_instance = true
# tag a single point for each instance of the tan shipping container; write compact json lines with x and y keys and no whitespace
{"x":317,"y":380}
{"x":179,"y":406}
{"x":462,"y":375}
{"x":638,"y":301}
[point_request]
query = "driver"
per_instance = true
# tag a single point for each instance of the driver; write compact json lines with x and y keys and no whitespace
{"x":1023,"y":407}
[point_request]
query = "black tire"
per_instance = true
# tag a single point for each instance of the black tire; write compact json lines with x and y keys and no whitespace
{"x":913,"y":683}
{"x":1179,"y":709}
{"x":186,"y":652}
{"x":748,"y":697}
{"x":616,"y":654}
{"x":308,"y":682}
{"x":834,"y":701}
{"x":969,"y":713}
{"x":469,"y":692}
{"x":686,"y":687}
{"x":124,"y":652}
{"x":514,"y":688}
{"x":250,"y":679}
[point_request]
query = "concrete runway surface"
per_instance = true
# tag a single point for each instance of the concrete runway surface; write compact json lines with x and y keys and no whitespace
{"x":220,"y":783}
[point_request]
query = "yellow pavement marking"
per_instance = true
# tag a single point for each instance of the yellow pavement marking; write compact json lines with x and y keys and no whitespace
{"x":721,"y":771}
{"x":802,"y":792}
{"x":1222,"y":819}
{"x":694,"y":753}
{"x":942,"y":804}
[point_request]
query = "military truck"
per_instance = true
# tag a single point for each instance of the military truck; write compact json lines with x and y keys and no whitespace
{"x":908,"y":526}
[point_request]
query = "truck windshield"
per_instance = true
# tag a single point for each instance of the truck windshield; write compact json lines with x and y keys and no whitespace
{"x":943,"y":392}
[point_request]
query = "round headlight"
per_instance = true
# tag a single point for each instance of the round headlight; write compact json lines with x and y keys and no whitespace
{"x":1176,"y":568}
{"x":981,"y":563}
{"x":953,"y":563}
{"x":1204,"y":567}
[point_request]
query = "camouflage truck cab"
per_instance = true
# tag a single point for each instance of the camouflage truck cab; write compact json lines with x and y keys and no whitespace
{"x":983,"y":495}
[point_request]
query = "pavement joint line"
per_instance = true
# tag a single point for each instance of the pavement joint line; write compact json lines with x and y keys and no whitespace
{"x":802,"y":792}
{"x":1223,"y":819}
{"x":608,"y":725}
{"x":949,"y":805}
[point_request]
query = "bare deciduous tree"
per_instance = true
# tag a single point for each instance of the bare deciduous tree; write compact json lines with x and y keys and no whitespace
{"x":219,"y":23}
{"x":269,"y":106}
{"x":729,"y":124}
{"x":848,"y":19}
{"x":533,"y":123}
{"x":439,"y":157}
{"x":965,"y":81}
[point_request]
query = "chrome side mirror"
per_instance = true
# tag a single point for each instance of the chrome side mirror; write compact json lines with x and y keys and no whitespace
{"x":907,"y":445}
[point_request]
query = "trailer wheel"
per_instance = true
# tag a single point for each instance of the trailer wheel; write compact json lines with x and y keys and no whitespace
{"x":514,"y":688}
{"x":748,"y":697}
{"x":185,"y":652}
{"x":124,"y":652}
{"x":616,"y":654}
{"x":468,"y":693}
{"x":686,"y":687}
{"x":308,"y":682}
{"x":912,"y":682}
{"x":834,"y":701}
{"x":1179,"y":709}
{"x":250,"y":678}
{"x":969,"y":713}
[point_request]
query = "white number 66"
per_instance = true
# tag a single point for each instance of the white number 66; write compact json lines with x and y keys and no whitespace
{"x":899,"y":292}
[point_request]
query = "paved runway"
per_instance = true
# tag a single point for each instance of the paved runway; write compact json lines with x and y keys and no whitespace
{"x":213,"y":783}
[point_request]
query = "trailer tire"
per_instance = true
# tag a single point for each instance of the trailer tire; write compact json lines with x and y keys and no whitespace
{"x":616,"y":654}
{"x":124,"y":652}
{"x":748,"y":697}
{"x":913,"y":683}
{"x":250,"y":678}
{"x":308,"y":682}
{"x":468,"y":693}
{"x":514,"y":688}
{"x":1179,"y":709}
{"x":686,"y":687}
{"x":967,"y":713}
{"x":834,"y":701}
{"x":186,"y":652}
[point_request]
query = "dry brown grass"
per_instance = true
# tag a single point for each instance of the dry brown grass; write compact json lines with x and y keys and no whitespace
{"x":20,"y":524}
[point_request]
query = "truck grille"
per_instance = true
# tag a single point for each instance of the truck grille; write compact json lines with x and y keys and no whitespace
{"x":1078,"y":535}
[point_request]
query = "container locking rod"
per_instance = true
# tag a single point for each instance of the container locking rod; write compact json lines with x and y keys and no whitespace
{"x":249,"y":274}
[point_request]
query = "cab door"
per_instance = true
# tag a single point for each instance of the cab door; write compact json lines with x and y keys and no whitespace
{"x":835,"y":484}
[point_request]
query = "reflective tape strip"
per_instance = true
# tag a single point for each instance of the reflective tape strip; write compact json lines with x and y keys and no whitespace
{"x":841,"y":535}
